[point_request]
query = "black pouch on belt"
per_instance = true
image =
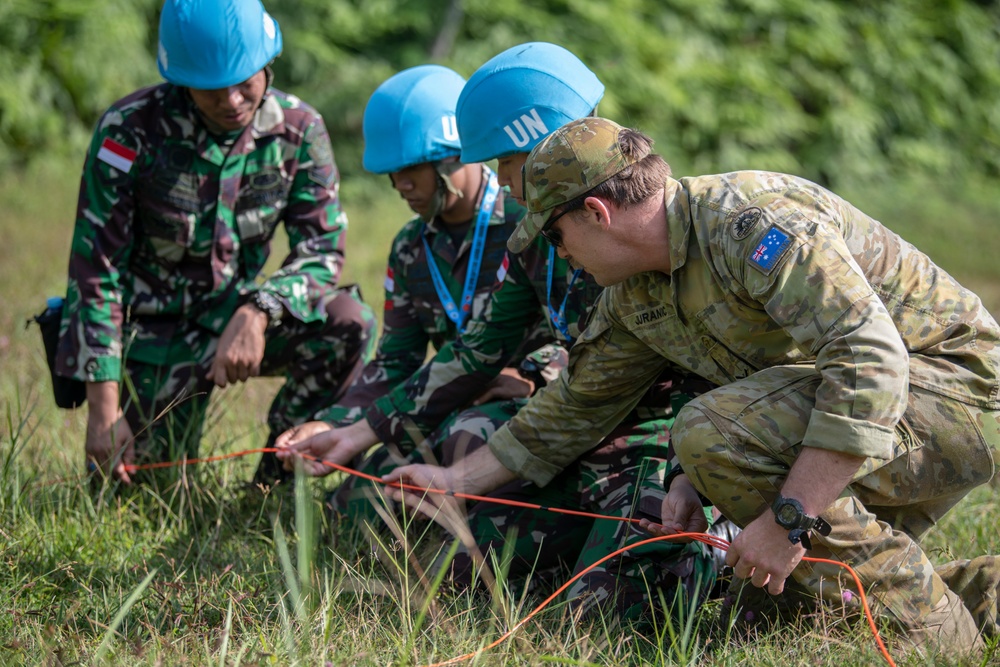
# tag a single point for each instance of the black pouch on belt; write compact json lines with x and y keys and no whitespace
{"x":69,"y":393}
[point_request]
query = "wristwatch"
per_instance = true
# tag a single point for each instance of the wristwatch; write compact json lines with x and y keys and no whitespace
{"x":789,"y":514}
{"x":268,"y":304}
{"x":531,"y":370}
{"x":533,"y":365}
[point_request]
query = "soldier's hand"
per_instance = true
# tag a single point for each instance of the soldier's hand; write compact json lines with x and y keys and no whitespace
{"x":763,"y":554}
{"x":320,"y":440}
{"x":110,"y":446}
{"x":509,"y":384}
{"x":241,"y":348}
{"x":681,"y":511}
{"x":423,"y":476}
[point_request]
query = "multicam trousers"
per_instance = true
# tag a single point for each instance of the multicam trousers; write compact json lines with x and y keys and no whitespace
{"x":737,"y":443}
{"x":166,"y":404}
{"x":623,"y":477}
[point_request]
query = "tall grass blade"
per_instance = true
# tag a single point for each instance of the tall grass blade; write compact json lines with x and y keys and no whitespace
{"x":120,"y":616}
{"x":226,"y":631}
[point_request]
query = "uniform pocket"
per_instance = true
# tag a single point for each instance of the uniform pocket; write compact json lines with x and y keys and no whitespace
{"x":263,"y":196}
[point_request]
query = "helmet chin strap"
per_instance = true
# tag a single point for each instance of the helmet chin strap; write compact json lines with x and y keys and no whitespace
{"x":445,"y":185}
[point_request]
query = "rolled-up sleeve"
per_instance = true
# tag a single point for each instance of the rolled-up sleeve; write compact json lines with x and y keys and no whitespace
{"x":609,"y":371}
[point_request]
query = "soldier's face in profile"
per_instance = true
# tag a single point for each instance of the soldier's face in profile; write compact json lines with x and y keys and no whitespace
{"x":230,"y":109}
{"x":509,"y":174}
{"x":417,"y":185}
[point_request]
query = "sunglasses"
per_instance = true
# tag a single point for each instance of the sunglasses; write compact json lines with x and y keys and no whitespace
{"x":554,"y":236}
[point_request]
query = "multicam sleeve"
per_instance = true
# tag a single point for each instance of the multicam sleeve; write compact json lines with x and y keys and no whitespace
{"x":811,"y":286}
{"x":609,"y":371}
{"x":90,"y":348}
{"x":317,"y":229}
{"x":461,"y":368}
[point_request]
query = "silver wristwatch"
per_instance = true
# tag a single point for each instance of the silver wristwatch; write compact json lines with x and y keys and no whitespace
{"x":268,"y":304}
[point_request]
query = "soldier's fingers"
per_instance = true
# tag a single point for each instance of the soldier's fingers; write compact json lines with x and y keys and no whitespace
{"x":217,"y":374}
{"x":408,"y":499}
{"x":485,"y":397}
{"x":121,"y":474}
{"x":284,"y":440}
{"x":776,"y":585}
{"x":655,"y":528}
{"x":760,"y":577}
{"x":316,"y":469}
{"x":742,"y":571}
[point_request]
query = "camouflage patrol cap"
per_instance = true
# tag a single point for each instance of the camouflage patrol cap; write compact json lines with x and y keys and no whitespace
{"x":568,"y":163}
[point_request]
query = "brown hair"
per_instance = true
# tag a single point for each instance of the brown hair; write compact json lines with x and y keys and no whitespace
{"x":634,"y":183}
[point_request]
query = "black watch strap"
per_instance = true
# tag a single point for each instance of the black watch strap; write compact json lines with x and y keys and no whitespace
{"x":670,"y":476}
{"x":789,"y":514}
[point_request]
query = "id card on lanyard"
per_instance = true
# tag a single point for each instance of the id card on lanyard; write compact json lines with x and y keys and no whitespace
{"x":460,"y":314}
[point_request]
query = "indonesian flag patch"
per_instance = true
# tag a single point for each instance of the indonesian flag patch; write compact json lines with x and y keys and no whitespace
{"x":504,"y":265}
{"x":390,"y":283}
{"x":115,"y":154}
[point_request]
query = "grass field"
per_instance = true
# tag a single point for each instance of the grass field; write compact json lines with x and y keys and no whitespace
{"x":207,"y":573}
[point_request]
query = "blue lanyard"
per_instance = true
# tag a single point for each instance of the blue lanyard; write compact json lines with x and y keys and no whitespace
{"x":558,"y":317}
{"x":456,"y":315}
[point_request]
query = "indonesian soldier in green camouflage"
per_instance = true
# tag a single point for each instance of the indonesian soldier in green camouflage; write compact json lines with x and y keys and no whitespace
{"x":503,"y":110}
{"x":858,"y":397}
{"x":182,"y":190}
{"x":443,"y":264}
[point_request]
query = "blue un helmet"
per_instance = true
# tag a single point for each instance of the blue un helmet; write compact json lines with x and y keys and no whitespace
{"x":410,"y":119}
{"x":209,"y":44}
{"x":520,"y":96}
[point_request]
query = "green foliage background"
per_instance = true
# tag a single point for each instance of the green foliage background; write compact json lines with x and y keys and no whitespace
{"x":841,"y":91}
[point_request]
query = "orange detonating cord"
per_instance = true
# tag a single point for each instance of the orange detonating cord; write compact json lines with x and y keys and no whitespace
{"x":710,"y":540}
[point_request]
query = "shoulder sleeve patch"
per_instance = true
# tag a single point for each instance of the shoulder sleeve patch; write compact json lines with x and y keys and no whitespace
{"x":745,"y":222}
{"x":770,"y":250}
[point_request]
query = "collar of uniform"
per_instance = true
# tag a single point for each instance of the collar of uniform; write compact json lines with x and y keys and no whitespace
{"x":269,"y":117}
{"x":497,"y":215}
{"x":678,"y":210}
{"x":441,"y":243}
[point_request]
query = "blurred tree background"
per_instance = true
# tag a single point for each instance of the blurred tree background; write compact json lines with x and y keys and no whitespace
{"x":841,"y":91}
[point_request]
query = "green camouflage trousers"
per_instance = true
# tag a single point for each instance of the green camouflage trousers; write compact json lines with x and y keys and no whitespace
{"x":623,"y":477}
{"x":166,"y":404}
{"x":356,"y":498}
{"x":737,"y":443}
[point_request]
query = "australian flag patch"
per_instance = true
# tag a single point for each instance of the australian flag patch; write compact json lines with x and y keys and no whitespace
{"x":766,"y":255}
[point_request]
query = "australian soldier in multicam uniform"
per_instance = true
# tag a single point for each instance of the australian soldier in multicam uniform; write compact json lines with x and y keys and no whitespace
{"x":442,"y":267}
{"x":181,"y":193}
{"x":507,"y":106}
{"x":858,"y":397}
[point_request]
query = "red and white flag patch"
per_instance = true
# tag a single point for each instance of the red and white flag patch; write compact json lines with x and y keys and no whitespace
{"x":504,"y":265}
{"x":117,"y":155}
{"x":390,"y":283}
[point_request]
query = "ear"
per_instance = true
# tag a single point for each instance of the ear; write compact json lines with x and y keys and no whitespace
{"x":600,"y":210}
